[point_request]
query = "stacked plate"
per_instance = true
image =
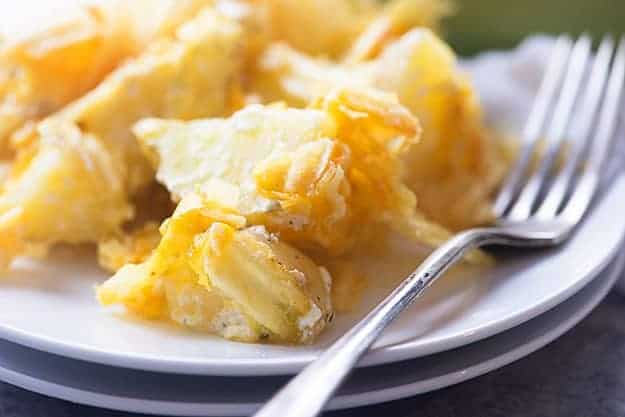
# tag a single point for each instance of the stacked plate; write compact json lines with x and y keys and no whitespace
{"x":55,"y":340}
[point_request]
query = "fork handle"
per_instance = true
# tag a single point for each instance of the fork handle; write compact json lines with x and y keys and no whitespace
{"x":307,"y":393}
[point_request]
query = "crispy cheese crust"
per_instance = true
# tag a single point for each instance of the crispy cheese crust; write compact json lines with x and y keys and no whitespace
{"x":458,"y":164}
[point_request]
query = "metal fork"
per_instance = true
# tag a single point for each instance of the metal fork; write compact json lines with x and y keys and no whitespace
{"x":536,"y":207}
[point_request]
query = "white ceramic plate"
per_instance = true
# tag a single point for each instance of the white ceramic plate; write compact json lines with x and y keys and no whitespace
{"x":50,"y":306}
{"x":147,"y":392}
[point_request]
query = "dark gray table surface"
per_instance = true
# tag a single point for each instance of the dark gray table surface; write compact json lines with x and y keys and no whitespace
{"x":581,"y":374}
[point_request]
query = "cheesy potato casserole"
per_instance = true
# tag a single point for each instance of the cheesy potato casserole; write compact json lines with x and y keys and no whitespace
{"x":231,"y":158}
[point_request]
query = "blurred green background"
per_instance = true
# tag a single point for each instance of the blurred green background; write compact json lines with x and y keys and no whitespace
{"x":488,"y":24}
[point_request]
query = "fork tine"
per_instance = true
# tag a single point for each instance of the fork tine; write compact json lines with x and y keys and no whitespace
{"x":582,"y":128}
{"x":522,"y":208}
{"x":589,"y":179}
{"x":531,"y":134}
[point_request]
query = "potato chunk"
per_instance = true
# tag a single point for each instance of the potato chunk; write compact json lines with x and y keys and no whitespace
{"x":44,"y":72}
{"x":192,"y":76}
{"x":460,"y":163}
{"x":212,"y":273}
{"x":457,"y":165}
{"x":68,"y":190}
{"x":330,"y":27}
{"x":196,"y":74}
{"x":276,"y":285}
{"x":313,"y":175}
